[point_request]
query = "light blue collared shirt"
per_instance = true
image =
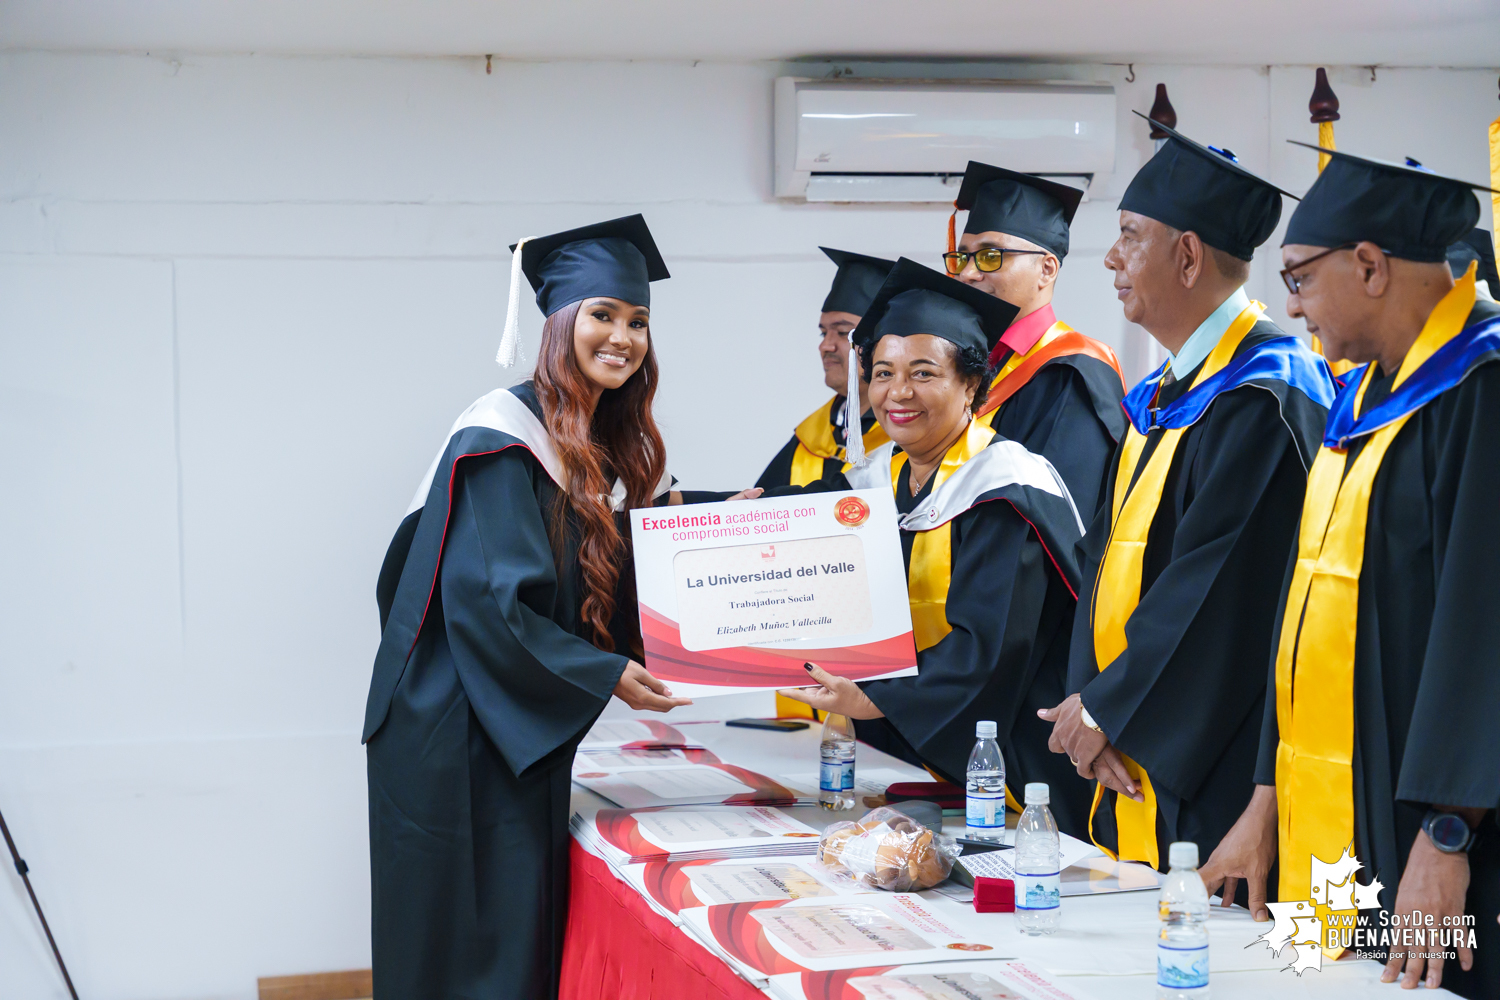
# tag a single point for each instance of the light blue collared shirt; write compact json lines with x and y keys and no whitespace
{"x":1204,"y":339}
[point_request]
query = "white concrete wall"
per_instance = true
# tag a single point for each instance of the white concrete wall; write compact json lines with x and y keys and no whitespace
{"x":241,"y":299}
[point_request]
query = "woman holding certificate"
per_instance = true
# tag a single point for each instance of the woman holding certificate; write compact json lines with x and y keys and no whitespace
{"x":987,"y":531}
{"x":507,"y":623}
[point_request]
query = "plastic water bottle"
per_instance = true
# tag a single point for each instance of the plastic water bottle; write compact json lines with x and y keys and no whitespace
{"x":1038,"y":869}
{"x":1182,"y":942}
{"x":984,"y":789}
{"x":836,"y":771}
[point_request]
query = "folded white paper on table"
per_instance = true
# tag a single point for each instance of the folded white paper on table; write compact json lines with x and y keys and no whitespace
{"x":764,"y":939}
{"x":685,"y":833}
{"x":673,"y":886}
{"x":614,"y":734}
{"x":1001,"y":864}
{"x":984,"y":980}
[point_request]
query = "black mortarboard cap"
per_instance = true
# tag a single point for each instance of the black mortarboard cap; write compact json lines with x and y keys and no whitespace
{"x":1479,"y":246}
{"x":1191,"y":186}
{"x":916,"y":299}
{"x":857,"y":281}
{"x":1404,"y":208}
{"x":1017,"y":204}
{"x":617,"y":259}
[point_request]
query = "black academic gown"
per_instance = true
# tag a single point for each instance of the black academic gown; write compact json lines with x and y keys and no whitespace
{"x":1427,"y":648}
{"x":779,"y":471}
{"x":482,"y":688}
{"x":1069,"y":413}
{"x":1185,"y":699}
{"x":1010,"y":604}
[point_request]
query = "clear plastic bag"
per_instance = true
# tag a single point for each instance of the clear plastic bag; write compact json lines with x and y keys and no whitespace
{"x":887,"y":849}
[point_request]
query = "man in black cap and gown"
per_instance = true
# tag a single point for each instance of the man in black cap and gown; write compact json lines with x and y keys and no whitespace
{"x":1182,"y":567}
{"x":1380,"y":714}
{"x":816,"y":449}
{"x":1055,"y":390}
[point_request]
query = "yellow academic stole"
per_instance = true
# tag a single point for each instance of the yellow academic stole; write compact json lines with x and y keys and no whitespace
{"x":815,"y":442}
{"x":931,"y":572}
{"x":1117,"y":589}
{"x":1315,"y":657}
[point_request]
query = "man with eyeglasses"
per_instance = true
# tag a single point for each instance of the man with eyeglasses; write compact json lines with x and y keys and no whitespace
{"x":1054,"y":390}
{"x":816,"y":450}
{"x":1379,"y":726}
{"x":1182,"y":567}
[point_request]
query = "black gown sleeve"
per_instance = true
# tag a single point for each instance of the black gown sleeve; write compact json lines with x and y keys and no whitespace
{"x":1453,"y":747}
{"x":779,"y":472}
{"x":533,"y":685}
{"x":982,"y":669}
{"x":1179,"y":694}
{"x":1270,"y":726}
{"x":1055,"y":415}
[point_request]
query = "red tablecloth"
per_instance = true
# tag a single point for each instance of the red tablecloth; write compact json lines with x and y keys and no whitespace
{"x":618,"y":948}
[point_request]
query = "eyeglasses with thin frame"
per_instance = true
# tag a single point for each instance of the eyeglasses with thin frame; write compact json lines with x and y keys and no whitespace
{"x":1294,"y":283}
{"x":988,"y":260}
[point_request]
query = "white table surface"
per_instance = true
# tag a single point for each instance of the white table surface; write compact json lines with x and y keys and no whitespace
{"x":1105,"y":947}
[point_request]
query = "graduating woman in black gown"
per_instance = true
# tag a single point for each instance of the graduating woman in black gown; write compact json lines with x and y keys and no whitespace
{"x":987,"y":530}
{"x":507,"y":622}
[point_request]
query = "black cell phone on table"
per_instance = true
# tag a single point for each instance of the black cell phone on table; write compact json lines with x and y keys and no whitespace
{"x":779,"y":725}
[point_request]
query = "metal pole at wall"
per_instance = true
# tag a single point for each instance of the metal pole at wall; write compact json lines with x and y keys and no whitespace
{"x":24,"y":871}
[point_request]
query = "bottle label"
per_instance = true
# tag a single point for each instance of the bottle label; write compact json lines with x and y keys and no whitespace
{"x":1182,"y":968}
{"x":1038,"y":892}
{"x":985,"y":810}
{"x":836,"y":776}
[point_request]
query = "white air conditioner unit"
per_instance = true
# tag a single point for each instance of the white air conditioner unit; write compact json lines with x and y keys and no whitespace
{"x":873,"y":141}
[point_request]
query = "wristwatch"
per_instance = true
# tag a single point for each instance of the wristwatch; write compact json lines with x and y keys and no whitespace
{"x":1448,"y":832}
{"x":1088,"y":720}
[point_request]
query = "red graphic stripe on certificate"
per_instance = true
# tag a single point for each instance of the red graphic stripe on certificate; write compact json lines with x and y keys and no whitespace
{"x":667,"y":882}
{"x":835,"y":985}
{"x":764,"y":666}
{"x":743,"y":937}
{"x":618,"y":827}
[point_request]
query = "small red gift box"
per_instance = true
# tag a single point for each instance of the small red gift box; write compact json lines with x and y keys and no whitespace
{"x":994,"y":895}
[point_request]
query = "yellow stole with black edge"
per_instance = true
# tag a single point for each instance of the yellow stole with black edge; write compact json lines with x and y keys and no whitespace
{"x":1315,"y":655}
{"x":816,"y":443}
{"x":1117,"y":589}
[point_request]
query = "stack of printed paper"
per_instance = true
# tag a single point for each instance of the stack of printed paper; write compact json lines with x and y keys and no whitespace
{"x":771,"y":938}
{"x":673,"y":886}
{"x":990,"y":980}
{"x":634,"y":734}
{"x":637,"y":779}
{"x":635,"y":836}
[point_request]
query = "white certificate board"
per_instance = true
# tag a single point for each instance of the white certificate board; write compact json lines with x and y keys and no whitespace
{"x":736,"y":596}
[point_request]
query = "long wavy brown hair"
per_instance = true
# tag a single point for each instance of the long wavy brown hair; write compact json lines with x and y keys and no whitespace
{"x":619,"y":439}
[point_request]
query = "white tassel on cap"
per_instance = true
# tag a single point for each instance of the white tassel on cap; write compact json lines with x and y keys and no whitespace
{"x":510,"y":341}
{"x":854,"y":440}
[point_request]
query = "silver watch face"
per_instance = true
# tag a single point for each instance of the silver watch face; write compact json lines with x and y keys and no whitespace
{"x":1448,"y":832}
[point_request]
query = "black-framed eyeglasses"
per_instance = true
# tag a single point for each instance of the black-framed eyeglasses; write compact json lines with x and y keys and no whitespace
{"x":1294,"y":283}
{"x":987,"y":260}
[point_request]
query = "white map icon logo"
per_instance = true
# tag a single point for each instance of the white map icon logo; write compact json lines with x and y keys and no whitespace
{"x":1336,"y":901}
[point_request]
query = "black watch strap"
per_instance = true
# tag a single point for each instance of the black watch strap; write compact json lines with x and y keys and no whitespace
{"x":1449,"y":832}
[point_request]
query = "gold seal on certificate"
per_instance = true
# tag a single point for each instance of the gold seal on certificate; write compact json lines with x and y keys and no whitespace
{"x":737,"y":596}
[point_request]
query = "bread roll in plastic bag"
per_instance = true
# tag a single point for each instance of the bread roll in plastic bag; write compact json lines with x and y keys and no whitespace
{"x":887,"y":849}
